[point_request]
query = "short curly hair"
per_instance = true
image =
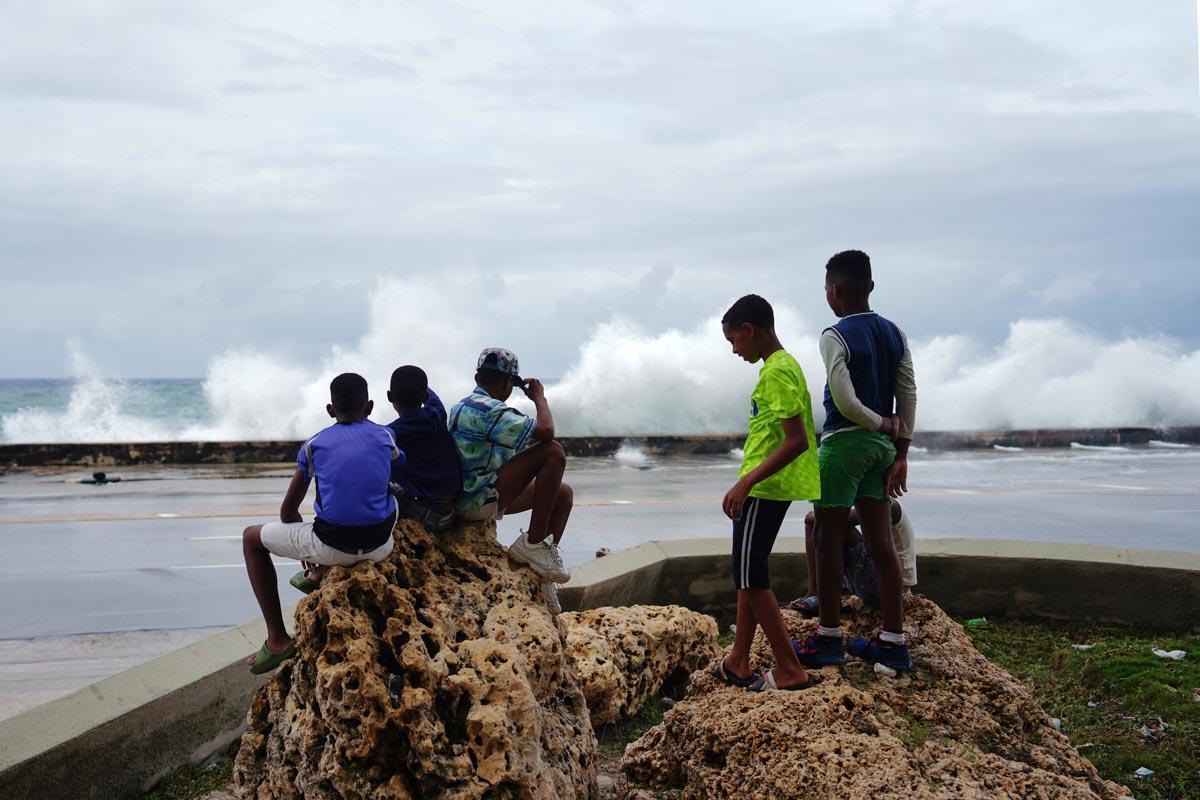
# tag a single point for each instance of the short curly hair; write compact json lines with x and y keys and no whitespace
{"x":750,"y":309}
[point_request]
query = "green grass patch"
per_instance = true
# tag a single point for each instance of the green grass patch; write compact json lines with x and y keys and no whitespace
{"x":1144,"y":712}
{"x":613,"y":738}
{"x":190,"y":782}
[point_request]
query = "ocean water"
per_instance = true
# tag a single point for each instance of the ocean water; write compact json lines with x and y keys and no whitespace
{"x":624,"y":380}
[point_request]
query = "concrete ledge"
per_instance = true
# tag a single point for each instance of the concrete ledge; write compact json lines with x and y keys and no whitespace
{"x":115,"y":737}
{"x":1050,"y":580}
{"x":120,"y":735}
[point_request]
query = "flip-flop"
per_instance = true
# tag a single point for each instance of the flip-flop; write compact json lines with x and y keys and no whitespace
{"x":265,"y":660}
{"x":808,"y":606}
{"x":721,"y":674}
{"x":767,"y":681}
{"x":304,"y":583}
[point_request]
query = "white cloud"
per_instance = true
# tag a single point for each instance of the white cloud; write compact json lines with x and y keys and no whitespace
{"x":229,"y":168}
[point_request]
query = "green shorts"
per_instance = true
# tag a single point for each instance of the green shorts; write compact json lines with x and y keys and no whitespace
{"x":853,"y":464}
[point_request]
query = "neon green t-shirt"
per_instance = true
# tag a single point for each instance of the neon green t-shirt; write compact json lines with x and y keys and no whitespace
{"x":781,"y":393}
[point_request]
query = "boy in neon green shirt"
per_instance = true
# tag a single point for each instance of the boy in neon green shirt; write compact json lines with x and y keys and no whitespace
{"x":779,"y":466}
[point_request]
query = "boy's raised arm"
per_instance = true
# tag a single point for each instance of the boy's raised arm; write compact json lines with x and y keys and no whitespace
{"x":435,"y":404}
{"x":544,"y":431}
{"x":841,"y":387}
{"x":289,"y":510}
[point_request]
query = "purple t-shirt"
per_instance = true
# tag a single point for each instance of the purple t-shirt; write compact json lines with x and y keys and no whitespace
{"x":353,"y":461}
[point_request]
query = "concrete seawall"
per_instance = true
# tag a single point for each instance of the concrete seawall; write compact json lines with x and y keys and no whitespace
{"x":113,"y":738}
{"x":264,"y":452}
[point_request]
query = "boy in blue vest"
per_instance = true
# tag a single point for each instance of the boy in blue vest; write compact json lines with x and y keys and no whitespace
{"x":428,"y":481}
{"x":350,"y":462}
{"x":870,"y":410}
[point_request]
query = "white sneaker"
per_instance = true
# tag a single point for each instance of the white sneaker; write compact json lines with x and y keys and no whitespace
{"x":542,"y":556}
{"x":550,"y":592}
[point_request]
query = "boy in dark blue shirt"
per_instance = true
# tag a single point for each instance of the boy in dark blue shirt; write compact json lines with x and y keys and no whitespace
{"x":870,"y":411}
{"x":349,"y":462}
{"x":427,"y":483}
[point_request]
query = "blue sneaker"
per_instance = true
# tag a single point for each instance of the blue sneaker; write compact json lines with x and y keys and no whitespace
{"x":820,"y":651}
{"x":889,"y":659}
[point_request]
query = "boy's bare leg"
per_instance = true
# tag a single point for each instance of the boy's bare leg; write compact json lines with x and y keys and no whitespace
{"x":559,"y":515}
{"x":266,"y":590}
{"x":830,"y":532}
{"x":877,"y":527}
{"x":738,"y":661}
{"x":810,"y":551}
{"x":765,"y":608}
{"x":541,"y":465}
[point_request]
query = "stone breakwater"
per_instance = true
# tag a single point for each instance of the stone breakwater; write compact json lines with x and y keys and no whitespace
{"x":439,"y":673}
{"x":958,"y":727}
{"x":124,"y":454}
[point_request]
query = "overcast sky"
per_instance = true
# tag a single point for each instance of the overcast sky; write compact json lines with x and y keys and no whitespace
{"x":179,"y":179}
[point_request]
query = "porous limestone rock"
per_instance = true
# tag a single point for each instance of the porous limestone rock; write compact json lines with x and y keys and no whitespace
{"x":959,"y":727}
{"x":625,"y":655}
{"x":437,"y":673}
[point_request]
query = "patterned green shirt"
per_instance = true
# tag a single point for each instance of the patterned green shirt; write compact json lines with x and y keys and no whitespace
{"x":781,"y":393}
{"x":487,"y":434}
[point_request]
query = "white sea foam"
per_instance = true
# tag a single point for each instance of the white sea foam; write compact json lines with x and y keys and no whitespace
{"x":630,"y":455}
{"x":97,"y":411}
{"x":629,"y":379}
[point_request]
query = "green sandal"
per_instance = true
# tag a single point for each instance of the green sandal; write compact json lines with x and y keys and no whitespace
{"x":265,"y":660}
{"x":304,"y":583}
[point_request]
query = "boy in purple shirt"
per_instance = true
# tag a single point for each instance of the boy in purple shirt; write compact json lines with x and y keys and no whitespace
{"x":350,"y":462}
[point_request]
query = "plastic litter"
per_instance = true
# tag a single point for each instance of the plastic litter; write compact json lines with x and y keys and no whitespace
{"x":978,"y":622}
{"x":1057,"y":723}
{"x":1083,"y":646}
{"x":1142,"y":772}
{"x":1174,"y":655}
{"x":885,"y":670}
{"x":1092,"y":704}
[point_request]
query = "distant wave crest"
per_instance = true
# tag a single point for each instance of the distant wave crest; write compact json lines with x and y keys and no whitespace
{"x":629,"y":380}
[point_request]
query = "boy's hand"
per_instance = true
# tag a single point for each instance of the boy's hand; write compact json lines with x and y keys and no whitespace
{"x":895,"y":480}
{"x":533,"y":388}
{"x":735,"y":499}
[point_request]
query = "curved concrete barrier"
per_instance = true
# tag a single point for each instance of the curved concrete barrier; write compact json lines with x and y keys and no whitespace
{"x":119,"y":735}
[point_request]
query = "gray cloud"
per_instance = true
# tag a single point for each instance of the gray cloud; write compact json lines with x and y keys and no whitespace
{"x":180,"y":181}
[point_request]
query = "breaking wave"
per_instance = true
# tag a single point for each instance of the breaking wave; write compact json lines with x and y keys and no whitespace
{"x":628,"y":379}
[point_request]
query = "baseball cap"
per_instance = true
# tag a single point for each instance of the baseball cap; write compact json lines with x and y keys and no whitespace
{"x":499,"y":360}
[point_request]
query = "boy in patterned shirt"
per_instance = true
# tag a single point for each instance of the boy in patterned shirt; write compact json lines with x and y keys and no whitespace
{"x":511,"y":463}
{"x":779,"y":466}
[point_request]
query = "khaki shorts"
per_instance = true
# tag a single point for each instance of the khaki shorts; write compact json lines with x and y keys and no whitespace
{"x":489,"y":510}
{"x":298,"y":540}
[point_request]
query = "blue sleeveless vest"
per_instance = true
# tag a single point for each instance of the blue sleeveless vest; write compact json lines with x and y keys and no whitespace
{"x":874,"y":348}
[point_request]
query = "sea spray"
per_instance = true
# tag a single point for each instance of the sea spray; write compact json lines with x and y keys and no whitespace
{"x":629,"y":379}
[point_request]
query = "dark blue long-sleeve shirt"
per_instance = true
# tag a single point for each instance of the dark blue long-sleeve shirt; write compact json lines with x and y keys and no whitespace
{"x":431,"y":471}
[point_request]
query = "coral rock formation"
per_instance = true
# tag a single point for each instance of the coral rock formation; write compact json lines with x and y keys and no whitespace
{"x":958,"y":727}
{"x":437,"y":673}
{"x":625,"y":655}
